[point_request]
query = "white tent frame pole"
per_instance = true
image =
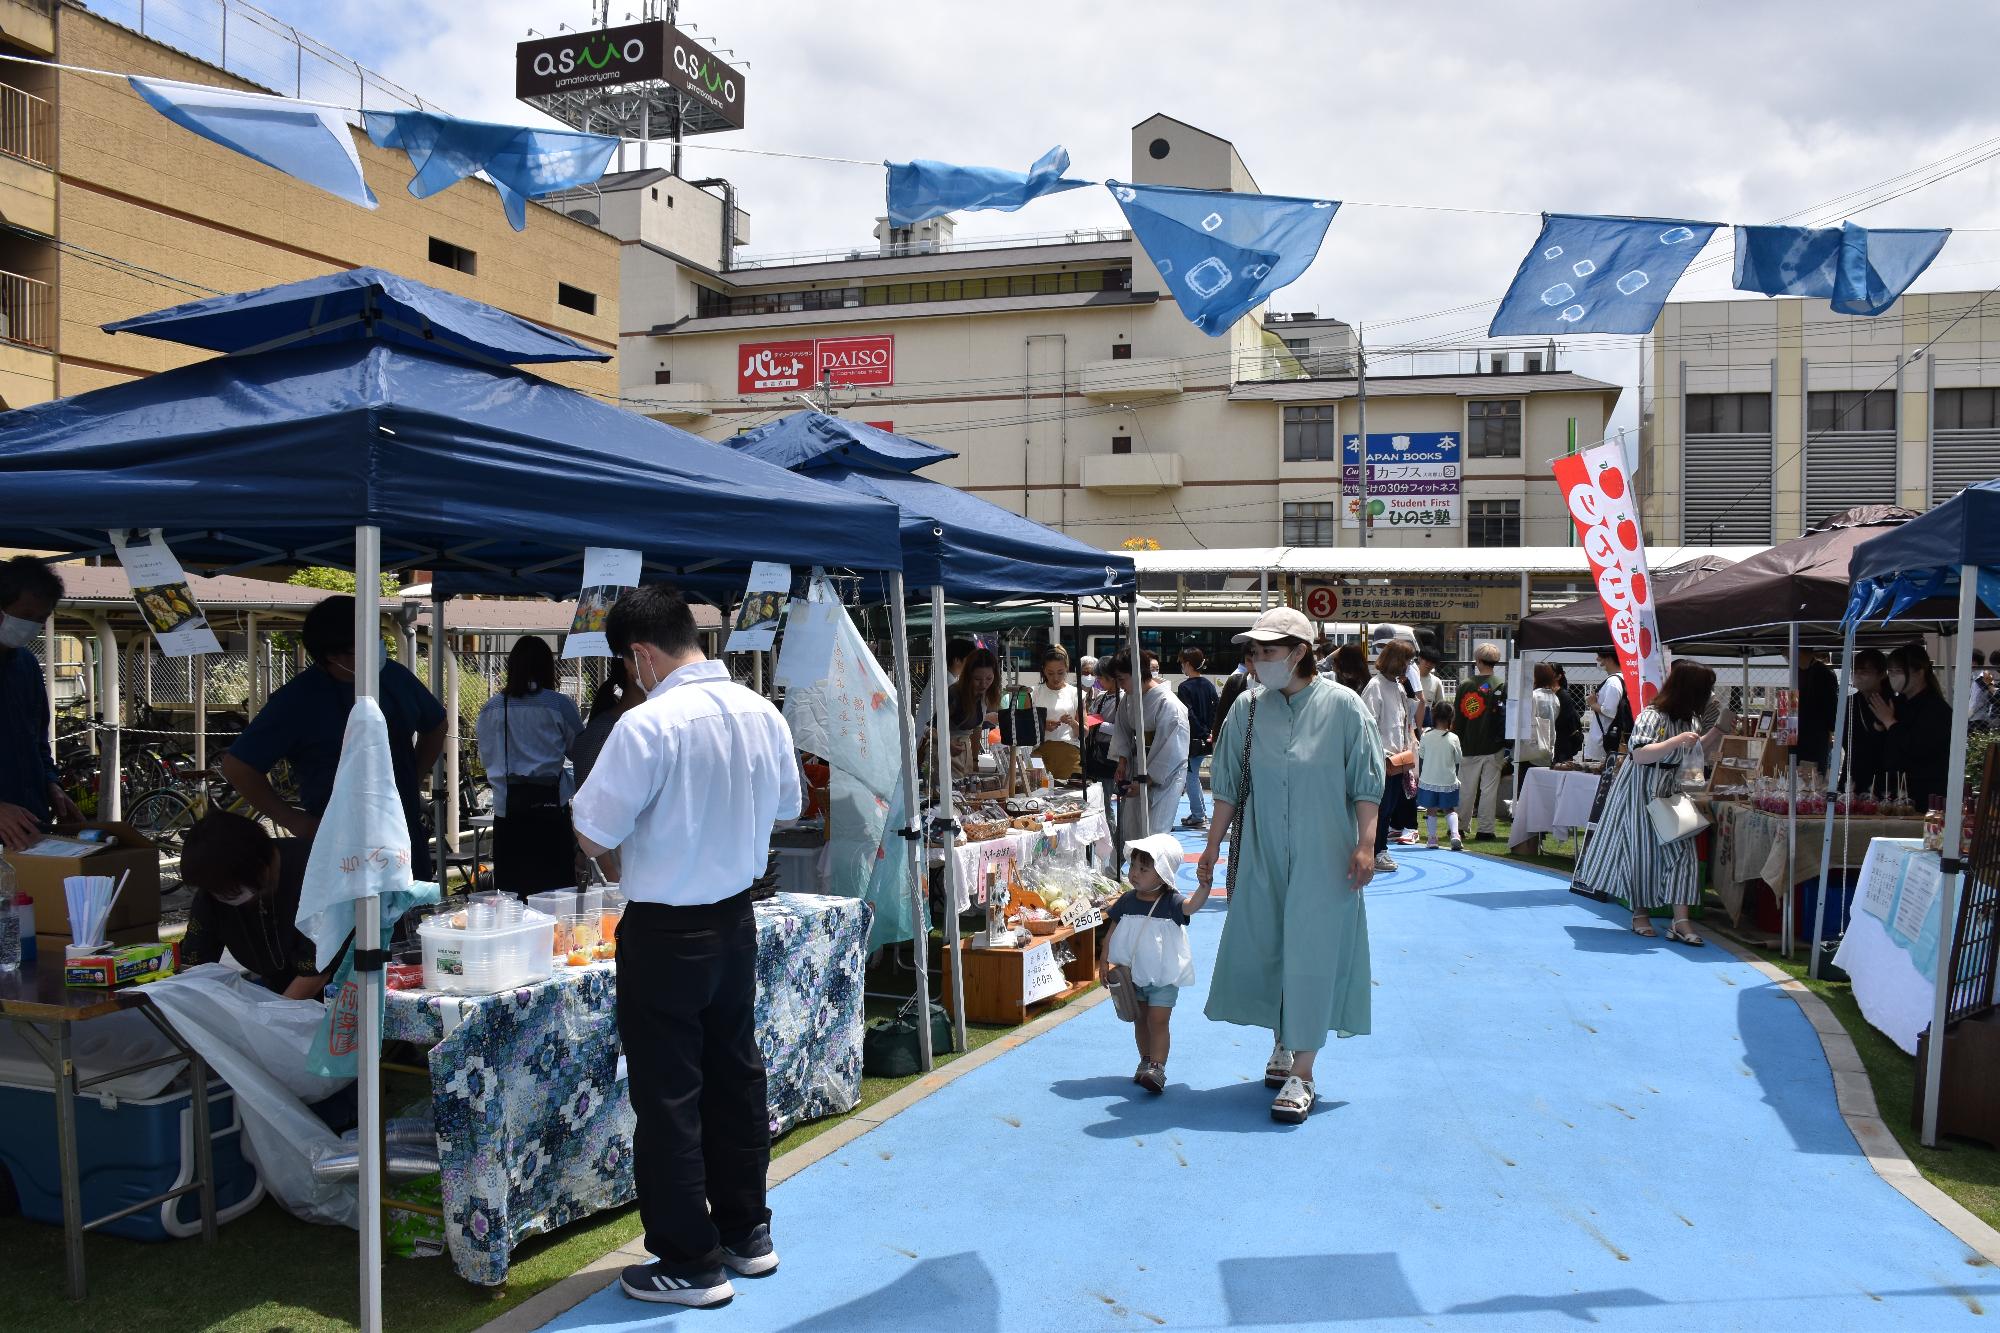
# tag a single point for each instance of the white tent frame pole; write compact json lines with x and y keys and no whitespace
{"x":438,"y":780}
{"x":368,"y":935}
{"x":1954,"y":821}
{"x":1792,"y":812}
{"x":111,"y":716}
{"x":1138,"y":679}
{"x":1834,"y":759}
{"x":947,"y":825}
{"x":913,"y":813}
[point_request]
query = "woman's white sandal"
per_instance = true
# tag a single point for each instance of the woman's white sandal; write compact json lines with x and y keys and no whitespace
{"x":1295,"y":1102}
{"x":1278,"y":1068}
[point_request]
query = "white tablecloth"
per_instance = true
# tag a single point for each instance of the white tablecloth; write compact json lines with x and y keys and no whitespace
{"x":1890,"y":948}
{"x":1550,"y":801}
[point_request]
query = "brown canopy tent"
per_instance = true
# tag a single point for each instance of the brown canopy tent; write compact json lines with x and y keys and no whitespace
{"x":1580,"y":624}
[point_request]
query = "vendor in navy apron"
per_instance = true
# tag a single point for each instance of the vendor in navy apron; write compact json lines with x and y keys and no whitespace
{"x":304,"y":722}
{"x":525,"y":733}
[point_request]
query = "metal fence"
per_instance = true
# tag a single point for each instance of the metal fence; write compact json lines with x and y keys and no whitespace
{"x":27,"y":126}
{"x":26,"y":310}
{"x":253,"y":45}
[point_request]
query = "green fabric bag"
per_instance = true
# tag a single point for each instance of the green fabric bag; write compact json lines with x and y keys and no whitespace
{"x":890,"y":1047}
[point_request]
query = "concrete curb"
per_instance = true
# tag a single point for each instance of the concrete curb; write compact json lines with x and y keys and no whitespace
{"x":580,"y":1286}
{"x":1853,"y":1094}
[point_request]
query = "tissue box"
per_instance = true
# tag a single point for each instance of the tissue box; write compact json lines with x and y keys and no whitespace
{"x":111,"y":965}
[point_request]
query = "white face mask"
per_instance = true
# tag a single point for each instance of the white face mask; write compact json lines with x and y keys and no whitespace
{"x":1275,"y":675}
{"x":17,"y":632}
{"x":1898,"y":679}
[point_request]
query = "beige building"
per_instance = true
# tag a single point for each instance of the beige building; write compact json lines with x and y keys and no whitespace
{"x":111,"y":210}
{"x":1071,"y":386}
{"x":1760,"y":417}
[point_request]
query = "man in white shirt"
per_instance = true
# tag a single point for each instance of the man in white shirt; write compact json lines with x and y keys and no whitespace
{"x":686,"y":790}
{"x":1604,"y":706}
{"x":1166,"y":723}
{"x":1391,"y":706}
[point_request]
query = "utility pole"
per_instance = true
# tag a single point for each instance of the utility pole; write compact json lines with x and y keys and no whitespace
{"x":1361,"y":424}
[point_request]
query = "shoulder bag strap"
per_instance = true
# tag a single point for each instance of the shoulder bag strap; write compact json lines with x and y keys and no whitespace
{"x":1241,"y":822}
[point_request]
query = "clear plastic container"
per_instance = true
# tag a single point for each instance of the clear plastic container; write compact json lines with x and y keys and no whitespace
{"x":480,"y":960}
{"x":557,"y":903}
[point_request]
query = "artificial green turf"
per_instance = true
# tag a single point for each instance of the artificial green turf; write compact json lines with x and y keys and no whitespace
{"x":270,"y":1272}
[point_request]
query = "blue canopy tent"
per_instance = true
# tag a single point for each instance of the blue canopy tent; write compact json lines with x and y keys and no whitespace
{"x":957,"y":546}
{"x":1952,"y":550}
{"x":367,"y":420}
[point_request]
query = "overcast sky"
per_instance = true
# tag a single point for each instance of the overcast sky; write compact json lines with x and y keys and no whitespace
{"x":1731,"y":113}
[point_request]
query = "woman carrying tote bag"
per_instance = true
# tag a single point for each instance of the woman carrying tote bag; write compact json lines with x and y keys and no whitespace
{"x":1644,"y":847}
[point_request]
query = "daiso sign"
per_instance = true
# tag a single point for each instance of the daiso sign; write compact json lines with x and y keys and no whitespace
{"x":858,"y":360}
{"x":790,"y":367}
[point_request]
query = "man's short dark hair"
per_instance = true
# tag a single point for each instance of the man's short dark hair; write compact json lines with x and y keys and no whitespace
{"x":1193,"y":654}
{"x":25,"y":576}
{"x":224,"y":852}
{"x":957,"y":650}
{"x":652,"y":613}
{"x":329,"y":628}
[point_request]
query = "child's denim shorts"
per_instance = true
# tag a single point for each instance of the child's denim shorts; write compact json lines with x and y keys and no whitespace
{"x":1160,"y":997}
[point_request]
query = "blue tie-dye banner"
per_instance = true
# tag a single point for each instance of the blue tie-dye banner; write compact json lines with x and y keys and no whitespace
{"x":922,"y":189}
{"x":1222,"y":253}
{"x":1598,"y":274}
{"x":1860,"y":270}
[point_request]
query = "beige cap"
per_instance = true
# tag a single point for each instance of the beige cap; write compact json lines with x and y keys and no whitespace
{"x":1280,"y":622}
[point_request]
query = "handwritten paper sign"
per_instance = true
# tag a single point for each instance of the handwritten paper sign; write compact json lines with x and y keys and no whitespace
{"x":1040,"y":977}
{"x":1083,"y":915}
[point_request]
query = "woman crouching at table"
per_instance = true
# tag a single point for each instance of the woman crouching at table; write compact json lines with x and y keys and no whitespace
{"x":246,"y":896}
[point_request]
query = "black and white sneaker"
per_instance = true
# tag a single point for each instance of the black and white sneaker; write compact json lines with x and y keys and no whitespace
{"x":693,"y":1286}
{"x":754,"y":1255}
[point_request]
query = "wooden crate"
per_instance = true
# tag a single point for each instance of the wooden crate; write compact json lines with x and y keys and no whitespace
{"x":994,"y":977}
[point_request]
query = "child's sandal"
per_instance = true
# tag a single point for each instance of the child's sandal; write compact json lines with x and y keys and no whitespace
{"x":1152,"y":1077}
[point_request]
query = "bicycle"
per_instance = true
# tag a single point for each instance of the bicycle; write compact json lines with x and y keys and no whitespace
{"x":165,"y":814}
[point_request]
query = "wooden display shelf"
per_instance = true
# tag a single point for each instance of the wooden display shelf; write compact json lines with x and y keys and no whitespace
{"x":994,"y":977}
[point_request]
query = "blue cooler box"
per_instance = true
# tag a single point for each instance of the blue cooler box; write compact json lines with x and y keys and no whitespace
{"x":126,"y":1150}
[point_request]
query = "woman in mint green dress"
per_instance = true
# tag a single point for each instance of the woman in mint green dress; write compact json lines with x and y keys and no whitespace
{"x":1294,"y":951}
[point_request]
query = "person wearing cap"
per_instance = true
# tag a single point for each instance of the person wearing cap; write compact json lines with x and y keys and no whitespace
{"x":1390,"y":704}
{"x":1301,"y":762}
{"x":1166,"y":722}
{"x":1481,"y":706}
{"x":1430,"y":685}
{"x":1148,"y":937}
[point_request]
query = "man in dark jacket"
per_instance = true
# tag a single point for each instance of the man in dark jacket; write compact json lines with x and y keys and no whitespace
{"x":1198,"y":695}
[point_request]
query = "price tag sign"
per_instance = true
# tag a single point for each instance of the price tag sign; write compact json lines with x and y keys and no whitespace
{"x":1040,"y":977}
{"x":1082,"y":915}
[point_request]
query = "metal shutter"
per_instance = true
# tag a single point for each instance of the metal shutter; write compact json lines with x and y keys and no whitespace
{"x":1848,"y":468}
{"x":1961,"y":457}
{"x":1726,"y":489}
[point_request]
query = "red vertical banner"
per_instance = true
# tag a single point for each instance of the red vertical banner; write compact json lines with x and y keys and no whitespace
{"x":1597,"y":490}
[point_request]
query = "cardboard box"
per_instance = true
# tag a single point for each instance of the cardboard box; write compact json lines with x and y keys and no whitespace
{"x":52,"y":946}
{"x":112,"y":966}
{"x":41,"y":878}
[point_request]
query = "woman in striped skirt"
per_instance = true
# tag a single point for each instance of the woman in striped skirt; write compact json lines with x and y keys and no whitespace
{"x":1624,"y":858}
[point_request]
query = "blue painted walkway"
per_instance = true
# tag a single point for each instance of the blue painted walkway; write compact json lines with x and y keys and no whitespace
{"x":1555,"y":1123}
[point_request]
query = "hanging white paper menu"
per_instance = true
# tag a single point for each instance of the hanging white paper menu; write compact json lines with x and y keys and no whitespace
{"x":607,"y":572}
{"x":756,"y":627}
{"x":160,"y":588}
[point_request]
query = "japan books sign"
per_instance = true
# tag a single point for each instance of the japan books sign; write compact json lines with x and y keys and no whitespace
{"x":1597,"y":491}
{"x":1413,"y":480}
{"x":804,"y":363}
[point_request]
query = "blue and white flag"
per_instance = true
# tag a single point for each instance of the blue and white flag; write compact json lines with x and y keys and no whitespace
{"x":1861,"y":270}
{"x":1598,"y":274}
{"x":523,"y":163}
{"x":1222,"y":253}
{"x":308,"y":143}
{"x":922,"y":189}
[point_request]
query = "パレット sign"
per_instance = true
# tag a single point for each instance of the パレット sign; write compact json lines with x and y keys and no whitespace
{"x":802,"y":363}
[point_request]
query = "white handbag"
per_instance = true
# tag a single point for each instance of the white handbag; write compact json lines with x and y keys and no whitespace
{"x":1675,"y":817}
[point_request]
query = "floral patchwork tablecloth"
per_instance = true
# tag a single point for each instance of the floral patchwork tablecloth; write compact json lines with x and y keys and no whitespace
{"x":528,"y":1086}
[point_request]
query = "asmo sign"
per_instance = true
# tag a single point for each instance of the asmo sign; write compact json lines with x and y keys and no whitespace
{"x":651,"y":52}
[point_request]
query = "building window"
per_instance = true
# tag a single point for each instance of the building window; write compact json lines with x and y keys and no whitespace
{"x":1492,"y":522}
{"x":1850,"y":410}
{"x":1309,"y":524}
{"x":1310,"y":436}
{"x":576,"y":298}
{"x":1965,"y":440}
{"x":1121,"y":444}
{"x":1121,"y":351}
{"x":663,"y":377}
{"x":1729,"y":413}
{"x":1493,"y":428}
{"x":446,"y":254}
{"x":712,"y":304}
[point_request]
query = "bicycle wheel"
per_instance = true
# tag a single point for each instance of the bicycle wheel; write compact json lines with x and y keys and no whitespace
{"x":164,"y":816}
